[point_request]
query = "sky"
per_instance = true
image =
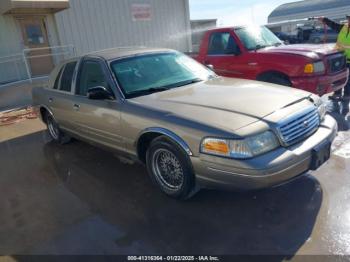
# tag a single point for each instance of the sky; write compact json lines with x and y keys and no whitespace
{"x":234,"y":12}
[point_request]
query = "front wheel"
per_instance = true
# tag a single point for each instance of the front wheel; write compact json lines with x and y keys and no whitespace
{"x":170,"y":168}
{"x":55,"y":132}
{"x":278,"y":80}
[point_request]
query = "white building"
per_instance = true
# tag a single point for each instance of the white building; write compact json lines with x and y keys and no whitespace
{"x":63,"y":28}
{"x":198,"y":28}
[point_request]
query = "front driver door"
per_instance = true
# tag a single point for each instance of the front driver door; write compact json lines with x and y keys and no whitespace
{"x":227,"y":58}
{"x":96,"y":120}
{"x":223,"y":54}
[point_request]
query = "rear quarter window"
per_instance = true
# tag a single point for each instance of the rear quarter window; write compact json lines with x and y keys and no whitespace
{"x":67,"y":76}
{"x":55,"y":86}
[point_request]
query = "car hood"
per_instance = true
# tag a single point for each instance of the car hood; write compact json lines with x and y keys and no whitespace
{"x":308,"y":50}
{"x":222,"y":102}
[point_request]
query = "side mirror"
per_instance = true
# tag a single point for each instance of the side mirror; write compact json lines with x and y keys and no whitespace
{"x":211,"y":67}
{"x":99,"y":93}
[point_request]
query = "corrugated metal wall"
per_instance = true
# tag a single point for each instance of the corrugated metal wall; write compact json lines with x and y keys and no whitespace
{"x":93,"y":25}
{"x":11,"y":65}
{"x":333,"y":13}
{"x":337,"y":14}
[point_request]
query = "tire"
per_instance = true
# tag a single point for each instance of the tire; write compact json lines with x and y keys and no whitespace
{"x":55,"y":132}
{"x":278,"y":80}
{"x":170,"y":168}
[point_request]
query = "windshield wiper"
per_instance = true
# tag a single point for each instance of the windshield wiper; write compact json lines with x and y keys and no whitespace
{"x":162,"y":88}
{"x":147,"y":91}
{"x":257,"y":47}
{"x":187,"y":82}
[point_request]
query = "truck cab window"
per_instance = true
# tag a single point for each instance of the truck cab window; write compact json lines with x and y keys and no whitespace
{"x":90,"y":75}
{"x":222,"y":44}
{"x":66,"y":81}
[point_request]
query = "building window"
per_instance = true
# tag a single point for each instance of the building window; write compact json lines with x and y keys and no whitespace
{"x":34,"y":34}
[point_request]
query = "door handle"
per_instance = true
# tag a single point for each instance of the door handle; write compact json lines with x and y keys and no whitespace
{"x":50,"y":100}
{"x":76,"y":107}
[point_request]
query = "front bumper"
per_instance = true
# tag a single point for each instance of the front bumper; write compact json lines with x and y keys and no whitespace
{"x":273,"y":168}
{"x":323,"y":84}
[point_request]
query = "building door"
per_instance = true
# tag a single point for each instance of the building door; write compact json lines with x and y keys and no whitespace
{"x":35,"y":36}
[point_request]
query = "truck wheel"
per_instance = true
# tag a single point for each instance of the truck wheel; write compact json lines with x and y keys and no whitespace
{"x":170,"y":168}
{"x":278,"y":80}
{"x":55,"y":132}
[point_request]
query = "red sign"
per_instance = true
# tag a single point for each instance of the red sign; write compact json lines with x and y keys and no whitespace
{"x":141,"y":12}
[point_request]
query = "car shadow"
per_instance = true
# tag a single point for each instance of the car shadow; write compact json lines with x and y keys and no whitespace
{"x":275,"y":221}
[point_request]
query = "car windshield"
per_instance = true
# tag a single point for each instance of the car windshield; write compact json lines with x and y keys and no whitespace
{"x":145,"y":74}
{"x":256,"y":37}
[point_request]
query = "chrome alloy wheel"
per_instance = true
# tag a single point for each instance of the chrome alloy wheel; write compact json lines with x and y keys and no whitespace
{"x":53,"y":128}
{"x":167,"y":169}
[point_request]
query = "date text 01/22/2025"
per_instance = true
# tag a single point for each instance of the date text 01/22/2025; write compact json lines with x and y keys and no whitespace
{"x":173,"y":258}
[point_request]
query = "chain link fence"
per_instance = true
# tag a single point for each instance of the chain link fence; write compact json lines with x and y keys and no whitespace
{"x":18,"y":67}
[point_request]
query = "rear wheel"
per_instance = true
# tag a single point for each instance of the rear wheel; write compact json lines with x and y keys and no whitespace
{"x":55,"y":132}
{"x":170,"y":168}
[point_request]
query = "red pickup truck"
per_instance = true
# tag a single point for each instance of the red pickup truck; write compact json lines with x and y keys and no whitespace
{"x":254,"y":52}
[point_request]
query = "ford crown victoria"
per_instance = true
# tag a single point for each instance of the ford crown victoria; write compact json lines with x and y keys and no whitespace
{"x":190,"y":127}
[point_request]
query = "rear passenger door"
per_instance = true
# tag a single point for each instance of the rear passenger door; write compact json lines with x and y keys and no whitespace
{"x":59,"y":99}
{"x":96,"y":120}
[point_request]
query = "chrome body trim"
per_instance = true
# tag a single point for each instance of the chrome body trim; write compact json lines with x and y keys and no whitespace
{"x":169,"y":134}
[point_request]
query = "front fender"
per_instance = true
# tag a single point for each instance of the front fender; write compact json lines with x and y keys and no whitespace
{"x":168,"y":133}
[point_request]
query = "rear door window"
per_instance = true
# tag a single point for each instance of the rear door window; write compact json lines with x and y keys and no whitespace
{"x":67,"y":76}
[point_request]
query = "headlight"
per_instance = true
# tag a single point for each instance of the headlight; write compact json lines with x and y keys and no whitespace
{"x":243,"y":148}
{"x":317,"y":67}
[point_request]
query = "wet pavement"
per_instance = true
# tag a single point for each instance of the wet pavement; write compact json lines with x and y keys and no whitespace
{"x":78,"y":199}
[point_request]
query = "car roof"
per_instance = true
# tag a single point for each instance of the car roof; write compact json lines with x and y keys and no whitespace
{"x":114,"y":53}
{"x":119,"y":52}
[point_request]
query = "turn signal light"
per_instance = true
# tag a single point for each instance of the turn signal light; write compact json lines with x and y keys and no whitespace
{"x":309,"y":69}
{"x":216,"y":146}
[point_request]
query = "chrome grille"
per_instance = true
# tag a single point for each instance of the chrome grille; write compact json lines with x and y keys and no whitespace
{"x":299,"y":126}
{"x":336,"y":63}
